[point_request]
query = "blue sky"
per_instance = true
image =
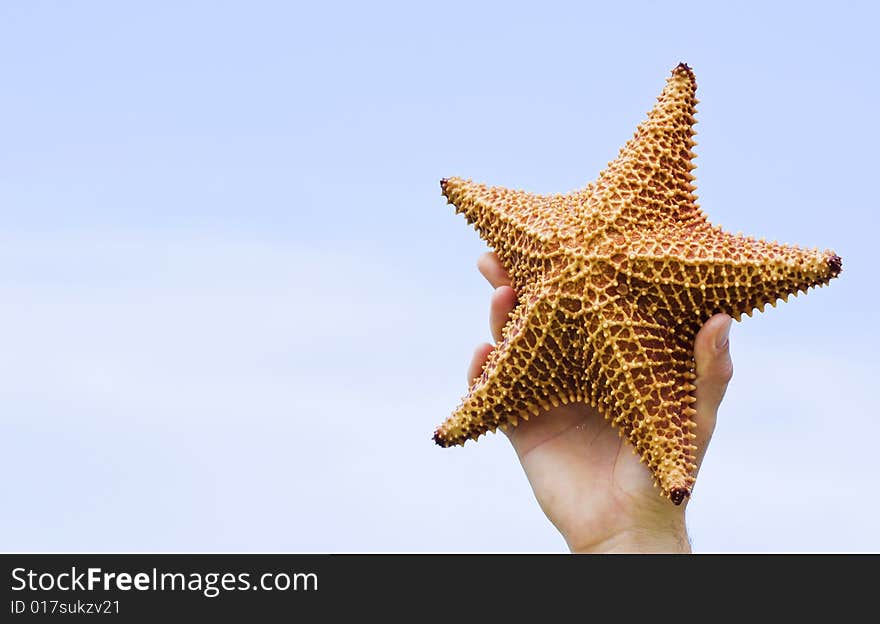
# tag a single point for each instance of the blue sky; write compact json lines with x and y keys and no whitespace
{"x":235,"y":305}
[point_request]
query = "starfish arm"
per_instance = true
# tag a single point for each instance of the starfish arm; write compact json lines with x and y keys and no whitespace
{"x":646,"y":389}
{"x":650,"y":182}
{"x":719,"y":272}
{"x":532,"y":369}
{"x":761,"y":272}
{"x":523,"y":228}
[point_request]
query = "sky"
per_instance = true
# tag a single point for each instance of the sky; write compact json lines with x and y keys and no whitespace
{"x":235,"y":305}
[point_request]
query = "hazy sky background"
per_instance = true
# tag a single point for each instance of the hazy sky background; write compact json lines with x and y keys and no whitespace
{"x":235,"y":304}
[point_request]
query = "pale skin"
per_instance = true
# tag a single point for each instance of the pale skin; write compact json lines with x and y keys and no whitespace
{"x":584,"y":475}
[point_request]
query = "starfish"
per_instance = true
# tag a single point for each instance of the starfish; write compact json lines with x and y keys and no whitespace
{"x":613,"y":283}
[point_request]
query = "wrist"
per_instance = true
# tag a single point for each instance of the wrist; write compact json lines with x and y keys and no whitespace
{"x":642,"y":541}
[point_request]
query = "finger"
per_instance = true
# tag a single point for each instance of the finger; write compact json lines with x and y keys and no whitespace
{"x":490,"y":266}
{"x":481,"y":353}
{"x":714,"y":371}
{"x":503,"y":302}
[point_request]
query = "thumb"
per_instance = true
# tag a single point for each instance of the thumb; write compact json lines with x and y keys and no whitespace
{"x":714,"y":371}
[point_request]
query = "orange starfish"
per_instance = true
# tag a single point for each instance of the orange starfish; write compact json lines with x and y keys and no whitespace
{"x":614,"y":281}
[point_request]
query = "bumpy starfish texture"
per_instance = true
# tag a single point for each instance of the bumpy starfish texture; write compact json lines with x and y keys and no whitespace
{"x":613,"y":283}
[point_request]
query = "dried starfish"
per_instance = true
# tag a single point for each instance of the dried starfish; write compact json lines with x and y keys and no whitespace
{"x":613,"y":283}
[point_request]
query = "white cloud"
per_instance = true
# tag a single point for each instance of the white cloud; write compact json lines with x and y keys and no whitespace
{"x":282,"y":398}
{"x":791,"y":466}
{"x":211,"y":394}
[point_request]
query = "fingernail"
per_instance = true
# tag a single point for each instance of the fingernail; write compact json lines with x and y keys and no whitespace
{"x":721,"y":339}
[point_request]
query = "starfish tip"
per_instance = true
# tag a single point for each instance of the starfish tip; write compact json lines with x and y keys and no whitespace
{"x":677,"y":495}
{"x":835,"y":264}
{"x":683,"y":67}
{"x":443,"y":182}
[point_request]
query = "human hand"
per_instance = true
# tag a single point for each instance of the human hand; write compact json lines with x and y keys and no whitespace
{"x":585,"y":476}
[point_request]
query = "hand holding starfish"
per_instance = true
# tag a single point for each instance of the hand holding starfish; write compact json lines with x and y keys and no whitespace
{"x":585,"y":476}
